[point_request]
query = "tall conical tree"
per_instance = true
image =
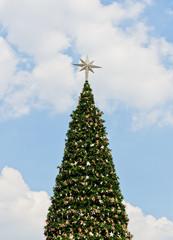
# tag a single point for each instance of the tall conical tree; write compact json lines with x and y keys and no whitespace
{"x":87,"y":201}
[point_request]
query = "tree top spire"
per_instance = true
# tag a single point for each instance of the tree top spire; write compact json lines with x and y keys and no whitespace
{"x":87,"y":66}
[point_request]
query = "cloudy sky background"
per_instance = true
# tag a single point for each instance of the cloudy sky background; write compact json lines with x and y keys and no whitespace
{"x":39,"y":87}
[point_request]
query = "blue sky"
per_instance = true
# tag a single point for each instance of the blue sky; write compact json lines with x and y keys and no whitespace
{"x":39,"y":88}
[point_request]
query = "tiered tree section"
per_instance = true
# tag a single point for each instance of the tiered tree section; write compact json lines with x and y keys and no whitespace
{"x":87,"y":201}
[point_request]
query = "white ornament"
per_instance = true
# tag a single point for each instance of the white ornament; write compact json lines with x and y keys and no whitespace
{"x":87,"y":66}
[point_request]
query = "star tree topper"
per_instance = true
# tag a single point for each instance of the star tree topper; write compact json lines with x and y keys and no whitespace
{"x":87,"y":66}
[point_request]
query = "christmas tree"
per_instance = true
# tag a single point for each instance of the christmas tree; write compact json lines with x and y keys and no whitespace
{"x":87,"y":201}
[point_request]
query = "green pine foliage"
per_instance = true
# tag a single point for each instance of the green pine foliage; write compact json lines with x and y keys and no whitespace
{"x":87,"y":201}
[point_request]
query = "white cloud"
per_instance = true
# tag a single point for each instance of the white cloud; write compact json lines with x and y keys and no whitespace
{"x":22,"y":211}
{"x":8,"y":62}
{"x":157,"y":116}
{"x":147,"y":227}
{"x":169,"y":11}
{"x":53,"y":84}
{"x":135,"y":65}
